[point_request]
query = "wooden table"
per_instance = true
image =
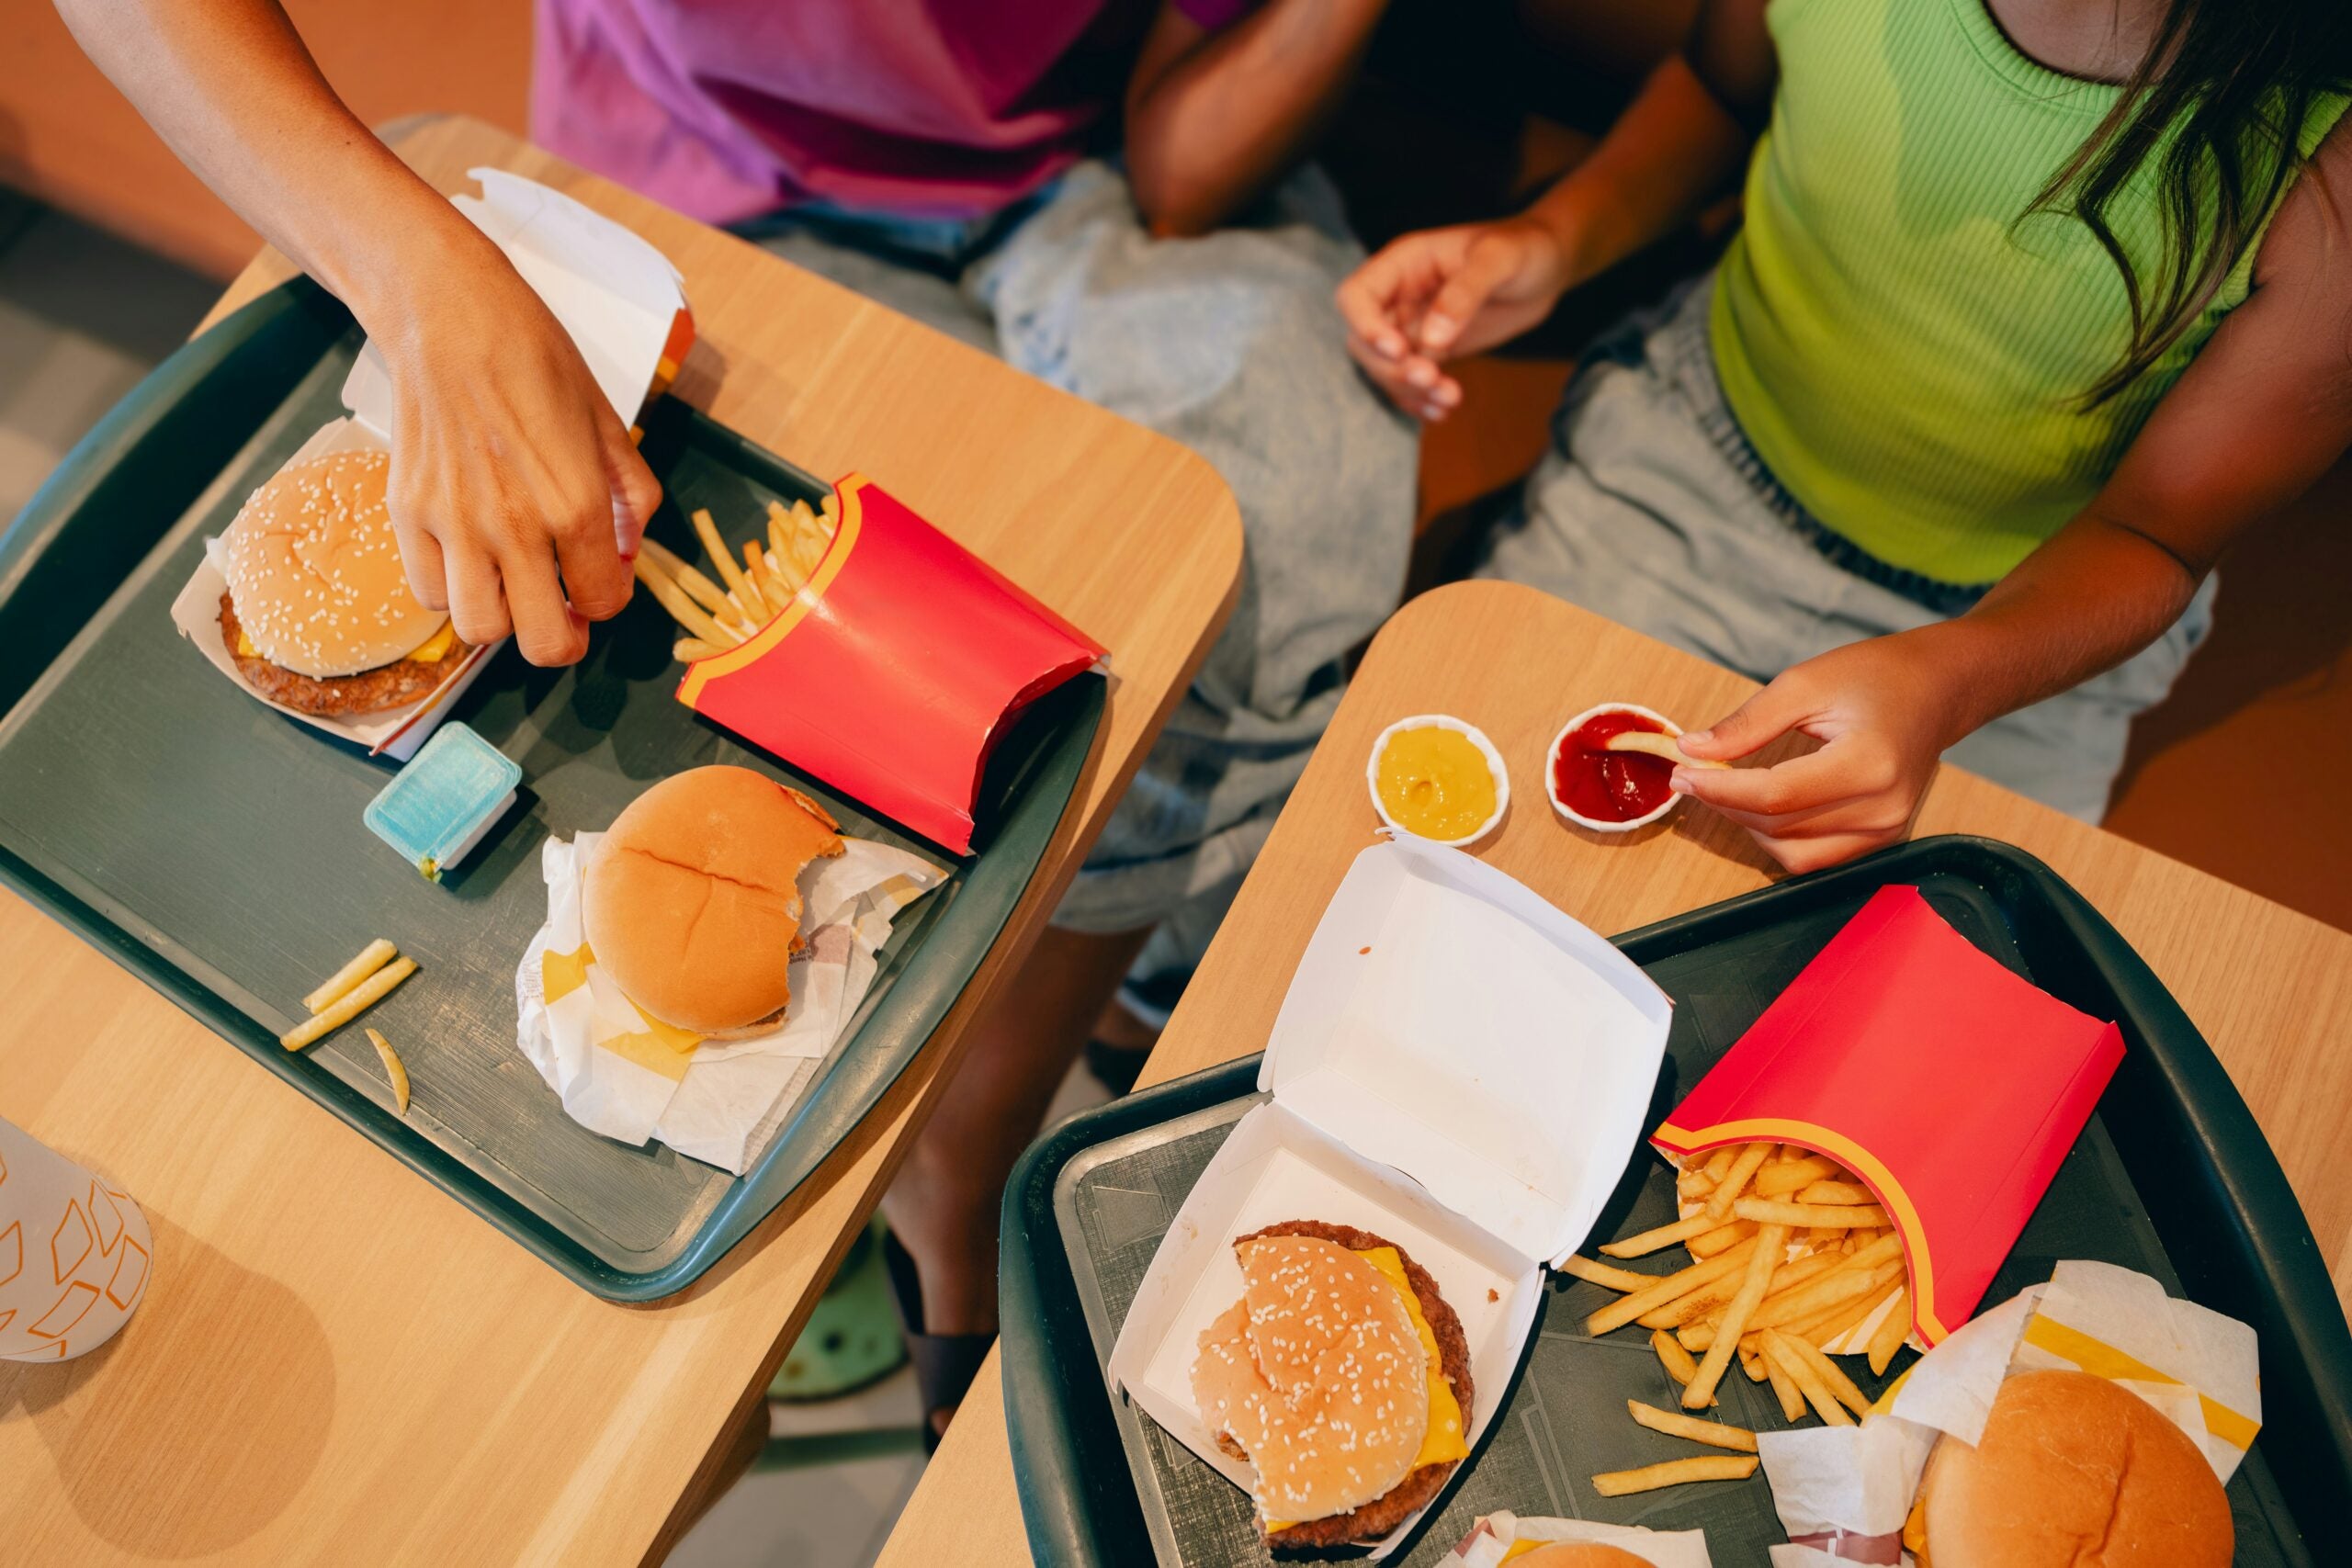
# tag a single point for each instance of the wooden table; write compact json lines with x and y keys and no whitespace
{"x":336,"y":1362}
{"x":2268,"y":988}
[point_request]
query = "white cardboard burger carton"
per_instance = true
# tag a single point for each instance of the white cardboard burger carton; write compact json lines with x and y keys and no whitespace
{"x":1458,"y":1066}
{"x":615,"y":294}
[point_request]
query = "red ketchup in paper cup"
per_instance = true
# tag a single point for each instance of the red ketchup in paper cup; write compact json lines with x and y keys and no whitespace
{"x":1609,"y":792}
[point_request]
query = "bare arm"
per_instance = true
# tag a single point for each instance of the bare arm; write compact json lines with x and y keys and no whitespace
{"x":515,"y":490}
{"x":2262,"y":412}
{"x":1213,"y":119}
{"x":1443,"y":293}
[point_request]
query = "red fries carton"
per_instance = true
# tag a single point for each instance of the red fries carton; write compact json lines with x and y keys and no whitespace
{"x":1949,"y":1085}
{"x":895,"y":671}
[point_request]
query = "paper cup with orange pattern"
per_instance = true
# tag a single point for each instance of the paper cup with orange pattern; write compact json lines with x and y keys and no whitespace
{"x":75,"y":1253}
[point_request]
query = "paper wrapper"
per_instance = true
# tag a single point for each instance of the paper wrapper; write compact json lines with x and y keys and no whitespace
{"x":895,"y":671}
{"x":1847,"y":1489}
{"x":1500,"y":1537}
{"x":75,"y":1253}
{"x":633,"y":1079}
{"x":1949,"y":1086}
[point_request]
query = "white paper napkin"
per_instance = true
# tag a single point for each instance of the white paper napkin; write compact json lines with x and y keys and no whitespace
{"x":630,"y":1078}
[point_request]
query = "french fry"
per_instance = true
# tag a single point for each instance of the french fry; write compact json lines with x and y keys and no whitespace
{"x":1795,"y":1176}
{"x":1828,"y":1327}
{"x":1781,"y":1351}
{"x":372,"y":957}
{"x":394,"y":1069}
{"x":738,"y":585}
{"x":1669,"y":1288}
{"x":1832,"y":1376}
{"x":1769,"y":1244}
{"x":1716,"y":1434}
{"x":683,"y":610}
{"x":1710,"y":1301}
{"x":1692,"y":1183}
{"x":1651,"y":1241}
{"x":1673,"y":1357}
{"x":763,"y":575}
{"x":1718,"y":1164}
{"x":1675,"y":1473}
{"x":829,"y":509}
{"x":1711,"y":1242}
{"x":1751,"y":1362}
{"x":1849,"y":1278}
{"x":687,"y":651}
{"x":1582,"y":1268}
{"x":699,"y":589}
{"x":780,"y":532}
{"x":1764,"y":1211}
{"x":1836,"y":1192}
{"x":1784,"y":1389}
{"x":1736,"y":1180}
{"x":350,"y":1005}
{"x":1892,"y":1329}
{"x":1788,"y":1152}
{"x":1700,"y":1306}
{"x":1825,"y":1238}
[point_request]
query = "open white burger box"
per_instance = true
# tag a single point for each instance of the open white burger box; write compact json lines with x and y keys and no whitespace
{"x":1458,"y":1066}
{"x":618,"y":297}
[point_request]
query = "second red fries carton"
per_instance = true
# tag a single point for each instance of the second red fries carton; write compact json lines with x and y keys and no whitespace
{"x":895,"y":671}
{"x":1951,"y":1086}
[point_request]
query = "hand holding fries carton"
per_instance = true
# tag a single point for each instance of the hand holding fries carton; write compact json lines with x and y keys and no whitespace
{"x":1951,"y":1087}
{"x":1844,"y":1492}
{"x":620,"y":301}
{"x":893,"y":667}
{"x":1457,"y":1066}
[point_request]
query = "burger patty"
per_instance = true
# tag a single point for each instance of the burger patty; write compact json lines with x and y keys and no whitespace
{"x":333,"y":697}
{"x":1400,"y":1501}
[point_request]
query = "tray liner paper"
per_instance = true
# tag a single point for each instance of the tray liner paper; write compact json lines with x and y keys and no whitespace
{"x":1949,"y":1085}
{"x":895,"y":671}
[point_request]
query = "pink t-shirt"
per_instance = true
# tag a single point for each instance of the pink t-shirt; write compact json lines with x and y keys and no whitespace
{"x":726,"y":109}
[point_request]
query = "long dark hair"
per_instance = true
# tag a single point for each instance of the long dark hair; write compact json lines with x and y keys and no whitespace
{"x":2237,"y":77}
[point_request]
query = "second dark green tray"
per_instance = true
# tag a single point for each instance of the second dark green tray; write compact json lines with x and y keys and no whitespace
{"x":215,"y":848}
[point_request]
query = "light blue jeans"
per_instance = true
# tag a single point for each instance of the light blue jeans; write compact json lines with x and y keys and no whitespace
{"x":1652,"y":509}
{"x":1229,"y":344}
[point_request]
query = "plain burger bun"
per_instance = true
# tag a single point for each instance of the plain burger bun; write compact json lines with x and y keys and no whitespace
{"x":1318,"y":1379}
{"x":1579,"y":1554}
{"x":2068,"y":1459}
{"x":692,"y":900}
{"x":314,"y":572}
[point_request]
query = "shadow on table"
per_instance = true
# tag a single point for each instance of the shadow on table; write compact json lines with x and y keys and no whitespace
{"x":194,"y":1426}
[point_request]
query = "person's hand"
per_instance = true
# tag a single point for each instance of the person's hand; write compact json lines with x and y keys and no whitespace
{"x":1433,"y":295}
{"x":516,"y":492}
{"x":1885,"y":709}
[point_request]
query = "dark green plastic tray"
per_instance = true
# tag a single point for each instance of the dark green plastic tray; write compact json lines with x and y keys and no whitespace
{"x":215,"y":847}
{"x":2171,"y":1177}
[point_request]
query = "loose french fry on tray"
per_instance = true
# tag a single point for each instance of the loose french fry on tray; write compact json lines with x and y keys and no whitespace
{"x":1669,"y":1288}
{"x":1832,"y":1376}
{"x":395,"y":1070}
{"x":350,"y":1005}
{"x":1795,"y":1176}
{"x":1716,"y":1434}
{"x":1892,"y":1329}
{"x":1582,"y":1268}
{"x":1675,"y":1473}
{"x":1673,"y":1357}
{"x":1770,"y":1244}
{"x":372,"y":957}
{"x":1780,"y":1350}
{"x":1736,"y":1180}
{"x":1664,"y":1236}
{"x":1784,"y":1389}
{"x":1751,"y":1363}
{"x":683,"y":610}
{"x":738,"y":585}
{"x":1842,"y":1216}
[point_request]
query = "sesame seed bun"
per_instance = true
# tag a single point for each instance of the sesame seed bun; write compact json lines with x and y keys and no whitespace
{"x":314,"y":572}
{"x":692,"y":899}
{"x":1579,"y":1554}
{"x":1317,"y":1377}
{"x":2067,"y":1458}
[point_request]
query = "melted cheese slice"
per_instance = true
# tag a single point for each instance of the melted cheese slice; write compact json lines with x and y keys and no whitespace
{"x":431,"y":650}
{"x":1443,"y":1441}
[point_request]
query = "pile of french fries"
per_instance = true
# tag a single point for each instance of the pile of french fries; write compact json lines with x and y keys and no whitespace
{"x":772,"y":572}
{"x":1788,"y":1252}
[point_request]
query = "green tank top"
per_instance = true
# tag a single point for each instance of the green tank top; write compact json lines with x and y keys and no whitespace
{"x":1906,"y":356}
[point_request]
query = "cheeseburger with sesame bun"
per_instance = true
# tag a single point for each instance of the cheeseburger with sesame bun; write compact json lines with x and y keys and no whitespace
{"x":1343,"y":1376}
{"x":2070,"y":1469}
{"x":318,"y":616}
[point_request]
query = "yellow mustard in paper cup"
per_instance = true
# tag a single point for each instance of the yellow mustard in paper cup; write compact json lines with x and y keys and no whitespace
{"x":1437,"y":778}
